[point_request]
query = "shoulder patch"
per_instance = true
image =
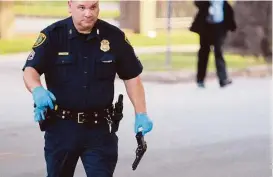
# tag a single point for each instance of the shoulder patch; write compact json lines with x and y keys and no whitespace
{"x":40,"y":40}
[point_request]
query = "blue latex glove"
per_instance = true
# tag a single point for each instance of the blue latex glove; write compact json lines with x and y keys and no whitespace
{"x":143,"y":122}
{"x":43,"y":98}
{"x":39,"y":114}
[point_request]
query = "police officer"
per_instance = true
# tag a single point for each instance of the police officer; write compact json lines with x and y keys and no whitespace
{"x":79,"y":57}
{"x":212,"y":22}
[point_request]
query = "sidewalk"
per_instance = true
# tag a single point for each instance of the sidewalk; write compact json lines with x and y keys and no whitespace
{"x":169,"y":76}
{"x":190,"y":76}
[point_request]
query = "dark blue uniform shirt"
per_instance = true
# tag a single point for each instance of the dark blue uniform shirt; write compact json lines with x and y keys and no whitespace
{"x":80,"y":69}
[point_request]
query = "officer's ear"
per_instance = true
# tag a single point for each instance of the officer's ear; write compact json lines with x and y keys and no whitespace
{"x":69,"y":6}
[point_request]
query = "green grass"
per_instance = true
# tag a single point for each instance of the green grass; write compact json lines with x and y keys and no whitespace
{"x":188,"y":61}
{"x":60,"y":11}
{"x":24,"y":43}
{"x":18,"y":44}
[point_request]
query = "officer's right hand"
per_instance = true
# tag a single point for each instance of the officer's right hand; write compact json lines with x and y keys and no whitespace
{"x":39,"y":114}
{"x":43,"y":98}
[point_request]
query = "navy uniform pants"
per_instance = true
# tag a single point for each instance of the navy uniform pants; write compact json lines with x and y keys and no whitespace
{"x":66,"y":141}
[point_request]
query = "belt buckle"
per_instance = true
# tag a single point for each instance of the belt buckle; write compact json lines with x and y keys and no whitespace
{"x":79,"y":117}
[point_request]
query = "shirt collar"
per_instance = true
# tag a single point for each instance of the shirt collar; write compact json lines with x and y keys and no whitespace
{"x":72,"y":31}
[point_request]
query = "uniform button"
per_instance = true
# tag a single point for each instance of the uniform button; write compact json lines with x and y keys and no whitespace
{"x":85,"y":57}
{"x":85,"y":86}
{"x":85,"y":72}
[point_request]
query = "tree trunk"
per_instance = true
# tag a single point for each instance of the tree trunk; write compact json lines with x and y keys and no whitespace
{"x":6,"y":19}
{"x":131,"y":21}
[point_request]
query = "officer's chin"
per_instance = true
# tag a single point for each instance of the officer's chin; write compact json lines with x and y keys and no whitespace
{"x":88,"y":25}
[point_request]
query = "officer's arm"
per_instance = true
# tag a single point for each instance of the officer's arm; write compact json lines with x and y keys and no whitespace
{"x":136,"y":93}
{"x":37,"y":62}
{"x":129,"y":69}
{"x":31,"y":78}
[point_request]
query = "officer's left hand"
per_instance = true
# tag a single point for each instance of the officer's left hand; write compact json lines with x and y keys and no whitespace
{"x":39,"y":114}
{"x":43,"y":98}
{"x":142,"y":121}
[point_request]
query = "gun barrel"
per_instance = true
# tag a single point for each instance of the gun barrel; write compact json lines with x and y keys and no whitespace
{"x":136,"y":162}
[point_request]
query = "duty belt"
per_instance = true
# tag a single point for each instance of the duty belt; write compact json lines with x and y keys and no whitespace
{"x":110,"y":115}
{"x":86,"y":117}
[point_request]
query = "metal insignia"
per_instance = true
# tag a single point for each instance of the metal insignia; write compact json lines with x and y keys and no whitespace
{"x":105,"y":45}
{"x":63,"y":53}
{"x":41,"y":39}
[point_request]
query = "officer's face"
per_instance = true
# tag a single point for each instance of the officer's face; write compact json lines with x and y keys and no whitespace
{"x":84,"y":13}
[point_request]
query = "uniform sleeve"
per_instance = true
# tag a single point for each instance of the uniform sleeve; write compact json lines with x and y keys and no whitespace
{"x":40,"y":53}
{"x":128,"y":64}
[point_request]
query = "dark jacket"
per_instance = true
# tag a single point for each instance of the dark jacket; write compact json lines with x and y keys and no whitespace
{"x":199,"y":24}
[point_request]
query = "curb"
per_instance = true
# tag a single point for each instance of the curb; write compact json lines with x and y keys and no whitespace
{"x":189,"y":76}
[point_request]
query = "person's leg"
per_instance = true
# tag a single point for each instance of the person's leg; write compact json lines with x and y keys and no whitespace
{"x":101,"y":153}
{"x":60,"y":149}
{"x":219,"y":58}
{"x":203,"y":56}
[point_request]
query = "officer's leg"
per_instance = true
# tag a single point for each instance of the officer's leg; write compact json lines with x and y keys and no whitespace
{"x":203,"y":56}
{"x":60,"y":149}
{"x":101,"y":153}
{"x":219,"y":58}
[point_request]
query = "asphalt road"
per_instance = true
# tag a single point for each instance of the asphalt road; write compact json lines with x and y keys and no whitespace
{"x":197,"y":133}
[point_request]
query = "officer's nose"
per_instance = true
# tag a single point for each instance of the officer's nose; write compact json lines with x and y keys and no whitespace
{"x":88,"y":13}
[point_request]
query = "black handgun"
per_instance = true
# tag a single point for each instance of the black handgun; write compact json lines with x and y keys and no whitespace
{"x":118,"y":115}
{"x":119,"y":105}
{"x":141,"y":149}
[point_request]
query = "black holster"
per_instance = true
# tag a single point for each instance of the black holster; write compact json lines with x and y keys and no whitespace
{"x":118,"y":113}
{"x":45,"y":123}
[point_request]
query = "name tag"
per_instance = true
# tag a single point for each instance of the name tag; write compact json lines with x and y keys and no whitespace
{"x":107,"y":61}
{"x":63,"y":53}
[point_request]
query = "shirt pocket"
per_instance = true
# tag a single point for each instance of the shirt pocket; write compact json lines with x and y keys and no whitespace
{"x":64,"y":66}
{"x":105,"y":68}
